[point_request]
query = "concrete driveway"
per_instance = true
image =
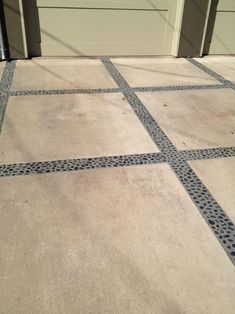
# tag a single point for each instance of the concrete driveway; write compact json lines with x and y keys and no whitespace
{"x":117,"y":186}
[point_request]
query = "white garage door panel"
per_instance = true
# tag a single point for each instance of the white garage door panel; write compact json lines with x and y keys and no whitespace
{"x":223,"y":38}
{"x":105,"y":4}
{"x":106,"y":27}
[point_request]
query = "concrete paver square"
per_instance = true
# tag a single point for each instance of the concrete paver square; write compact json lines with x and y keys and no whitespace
{"x":194,"y":119}
{"x":219,"y":177}
{"x":223,"y":65}
{"x":40,"y":128}
{"x":61,"y":74}
{"x":120,"y":240}
{"x":150,"y":72}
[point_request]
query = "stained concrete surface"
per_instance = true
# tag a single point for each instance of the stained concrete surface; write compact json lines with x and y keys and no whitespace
{"x":123,"y":240}
{"x":115,"y":240}
{"x":2,"y":66}
{"x":40,"y":128}
{"x":61,"y":74}
{"x":145,"y":72}
{"x":194,"y":119}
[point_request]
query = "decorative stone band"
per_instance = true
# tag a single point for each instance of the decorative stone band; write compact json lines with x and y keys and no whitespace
{"x":209,"y":153}
{"x":115,"y":90}
{"x":79,"y":164}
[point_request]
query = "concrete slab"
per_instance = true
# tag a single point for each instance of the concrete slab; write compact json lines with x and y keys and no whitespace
{"x":39,"y":128}
{"x":125,"y":240}
{"x":2,"y":67}
{"x":61,"y":74}
{"x":219,"y":177}
{"x":194,"y":119}
{"x":223,"y":65}
{"x":145,"y":72}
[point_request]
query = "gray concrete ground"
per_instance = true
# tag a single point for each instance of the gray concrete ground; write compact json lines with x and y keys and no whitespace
{"x":117,"y":186}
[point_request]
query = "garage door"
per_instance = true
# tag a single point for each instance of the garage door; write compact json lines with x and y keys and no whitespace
{"x":220,"y":37}
{"x":106,"y":27}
